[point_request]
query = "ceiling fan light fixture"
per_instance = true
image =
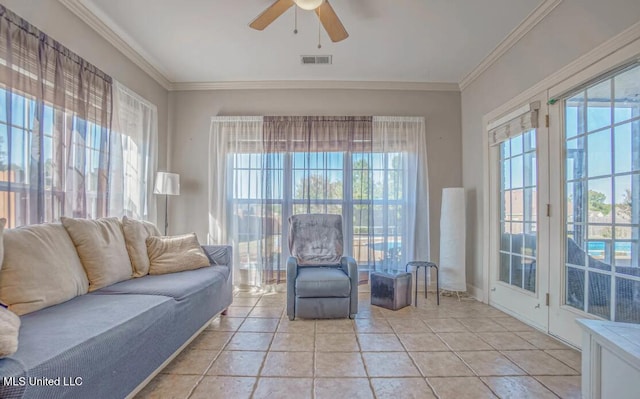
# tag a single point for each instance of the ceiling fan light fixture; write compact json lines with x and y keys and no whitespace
{"x":308,"y":4}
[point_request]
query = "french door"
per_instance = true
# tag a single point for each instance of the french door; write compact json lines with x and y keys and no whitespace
{"x":595,"y":150}
{"x":519,"y":226}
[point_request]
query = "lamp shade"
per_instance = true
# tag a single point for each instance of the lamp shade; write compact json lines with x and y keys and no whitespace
{"x":452,"y":240}
{"x":308,"y":4}
{"x":167,"y":183}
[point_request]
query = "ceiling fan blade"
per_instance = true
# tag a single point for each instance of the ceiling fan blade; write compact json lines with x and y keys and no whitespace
{"x":271,"y":14}
{"x":331,"y":22}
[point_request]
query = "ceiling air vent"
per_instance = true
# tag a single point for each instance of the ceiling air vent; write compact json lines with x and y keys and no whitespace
{"x":316,"y":59}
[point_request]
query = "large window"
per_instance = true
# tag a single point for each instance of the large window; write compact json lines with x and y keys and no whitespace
{"x":366,"y":189}
{"x":602,"y":178}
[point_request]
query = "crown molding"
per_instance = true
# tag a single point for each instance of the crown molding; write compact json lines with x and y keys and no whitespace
{"x":533,"y":19}
{"x":315,"y":84}
{"x":112,"y":33}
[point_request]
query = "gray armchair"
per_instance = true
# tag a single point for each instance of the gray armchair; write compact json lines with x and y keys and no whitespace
{"x":321,"y":283}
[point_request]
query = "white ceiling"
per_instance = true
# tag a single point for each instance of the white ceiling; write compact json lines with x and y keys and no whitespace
{"x":390,"y":40}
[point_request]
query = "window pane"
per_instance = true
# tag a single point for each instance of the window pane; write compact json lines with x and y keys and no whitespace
{"x":574,"y":115}
{"x":599,"y":200}
{"x":627,"y":147}
{"x":599,"y":294}
{"x":599,"y":111}
{"x":599,"y":157}
{"x":627,"y":300}
{"x":574,"y":288}
{"x":575,"y":165}
{"x":627,"y":93}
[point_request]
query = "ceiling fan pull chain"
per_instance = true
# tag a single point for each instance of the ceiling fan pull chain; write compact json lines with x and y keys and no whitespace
{"x":295,"y":26}
{"x":319,"y":29}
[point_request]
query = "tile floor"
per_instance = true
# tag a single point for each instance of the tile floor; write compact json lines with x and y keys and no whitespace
{"x":460,"y":349}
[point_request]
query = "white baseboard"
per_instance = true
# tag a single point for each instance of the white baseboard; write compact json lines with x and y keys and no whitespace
{"x":475,"y":292}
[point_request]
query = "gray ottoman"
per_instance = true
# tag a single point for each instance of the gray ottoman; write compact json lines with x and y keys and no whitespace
{"x":391,"y":291}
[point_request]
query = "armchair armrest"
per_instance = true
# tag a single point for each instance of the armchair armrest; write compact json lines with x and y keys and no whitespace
{"x":292,"y":273}
{"x":350,"y":267}
{"x":219,"y":254}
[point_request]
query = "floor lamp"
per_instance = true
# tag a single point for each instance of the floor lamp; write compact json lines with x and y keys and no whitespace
{"x":167,"y":184}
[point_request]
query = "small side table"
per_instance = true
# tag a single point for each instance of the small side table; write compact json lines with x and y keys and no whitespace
{"x":391,"y":290}
{"x":427,"y":266}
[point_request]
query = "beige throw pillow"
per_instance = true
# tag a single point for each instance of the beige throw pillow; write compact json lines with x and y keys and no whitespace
{"x":175,"y":254}
{"x":136,"y":233}
{"x":100,"y":245}
{"x":41,"y":268}
{"x":3,"y":222}
{"x":9,"y":329}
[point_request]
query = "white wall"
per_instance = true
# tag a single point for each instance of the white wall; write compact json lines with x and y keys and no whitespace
{"x":191,"y":113}
{"x":572,"y":29}
{"x":51,"y":17}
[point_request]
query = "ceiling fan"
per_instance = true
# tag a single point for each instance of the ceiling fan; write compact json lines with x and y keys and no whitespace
{"x":323,"y":9}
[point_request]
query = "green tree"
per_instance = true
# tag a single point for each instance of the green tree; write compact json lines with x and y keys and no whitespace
{"x":625,"y":207}
{"x":596,"y":202}
{"x":317,"y":187}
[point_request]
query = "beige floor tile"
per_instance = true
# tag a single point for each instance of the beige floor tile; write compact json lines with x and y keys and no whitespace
{"x":539,"y":363}
{"x":237,"y":363}
{"x":389,"y":364}
{"x":211,"y":340}
{"x":460,"y":388}
{"x":272,"y":301}
{"x":478,"y":325}
{"x":411,"y":325}
{"x":379,"y":343}
{"x":267,"y":312}
{"x":169,"y":386}
{"x":422,"y":342}
{"x":284,"y":388}
{"x":224,"y":323}
{"x":461,"y":341}
{"x":407,"y":388}
{"x":191,"y":361}
{"x":490,"y":363}
{"x":513,"y":324}
{"x":336,"y":343}
{"x":518,"y":387}
{"x":372,"y":326}
{"x":334,"y":326}
{"x":288,"y":364}
{"x":332,"y":364}
{"x":505,"y":341}
{"x":440,"y":364}
{"x":333,"y":388}
{"x":565,"y":387}
{"x":297,"y":326}
{"x":224,"y":387}
{"x":250,"y":342}
{"x":259,"y":325}
{"x":245,"y":301}
{"x":248,"y":294}
{"x":570,"y":357}
{"x":445,"y":325}
{"x":293,"y":342}
{"x":238,"y":311}
{"x":541,"y":341}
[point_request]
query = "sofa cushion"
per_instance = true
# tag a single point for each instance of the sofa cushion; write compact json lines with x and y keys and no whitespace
{"x":175,"y":285}
{"x":136,"y":233}
{"x":9,"y":327}
{"x":175,"y":254}
{"x":102,"y":250}
{"x":321,"y":282}
{"x":41,"y":268}
{"x":99,"y":338}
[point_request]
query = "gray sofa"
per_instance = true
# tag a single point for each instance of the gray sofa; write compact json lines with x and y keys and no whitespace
{"x":109,"y":343}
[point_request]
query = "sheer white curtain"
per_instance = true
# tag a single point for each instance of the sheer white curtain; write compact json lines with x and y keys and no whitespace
{"x":403,"y":201}
{"x":229,"y":135}
{"x":133,"y":151}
